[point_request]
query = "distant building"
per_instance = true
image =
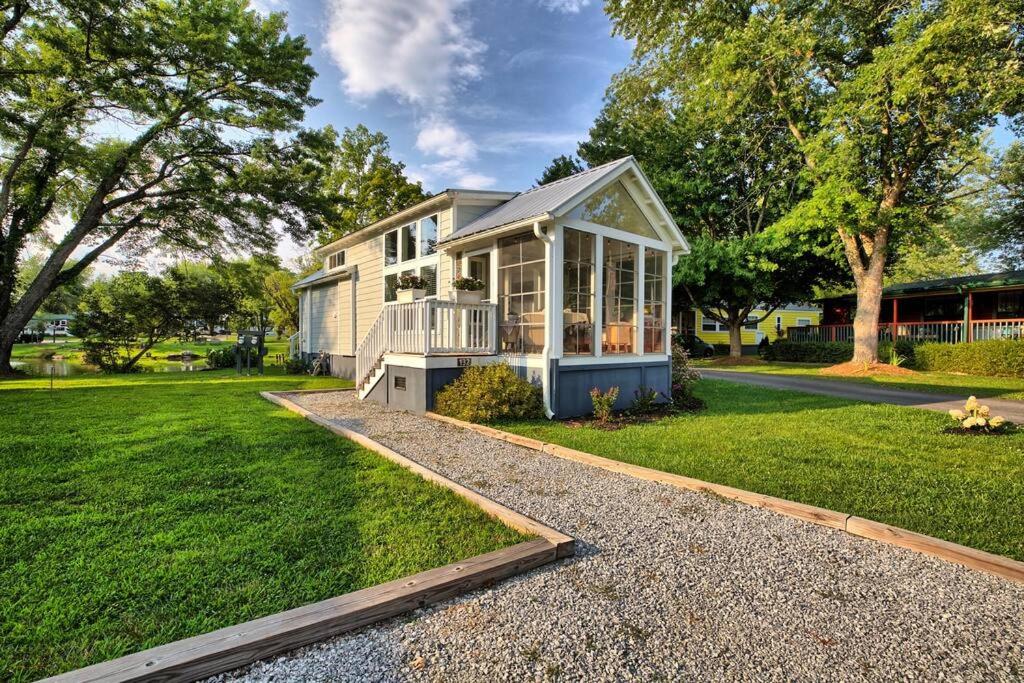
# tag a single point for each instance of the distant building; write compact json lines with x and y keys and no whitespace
{"x":52,"y":324}
{"x":950,"y":310}
{"x":771,"y":328}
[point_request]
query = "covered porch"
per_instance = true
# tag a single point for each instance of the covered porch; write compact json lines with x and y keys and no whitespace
{"x":951,"y":311}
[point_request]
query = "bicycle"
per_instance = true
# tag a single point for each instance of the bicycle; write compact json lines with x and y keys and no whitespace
{"x":321,"y":365}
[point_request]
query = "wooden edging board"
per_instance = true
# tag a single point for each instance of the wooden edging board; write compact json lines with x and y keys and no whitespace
{"x":229,"y":648}
{"x":858,"y":526}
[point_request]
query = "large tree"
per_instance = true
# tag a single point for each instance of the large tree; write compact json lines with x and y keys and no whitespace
{"x":369,"y":184}
{"x":726,"y":187}
{"x":885,"y":100}
{"x":560,"y":167}
{"x":148,"y":123}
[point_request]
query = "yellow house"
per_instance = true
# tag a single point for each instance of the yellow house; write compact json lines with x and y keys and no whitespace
{"x":772,"y":327}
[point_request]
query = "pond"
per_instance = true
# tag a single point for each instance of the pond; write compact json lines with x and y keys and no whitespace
{"x":67,"y":368}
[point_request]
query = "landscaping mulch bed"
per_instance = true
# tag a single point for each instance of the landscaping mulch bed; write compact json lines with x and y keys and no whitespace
{"x":853,"y":369}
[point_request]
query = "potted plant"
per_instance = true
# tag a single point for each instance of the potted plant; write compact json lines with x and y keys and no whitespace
{"x":467,"y":290}
{"x":411,"y":288}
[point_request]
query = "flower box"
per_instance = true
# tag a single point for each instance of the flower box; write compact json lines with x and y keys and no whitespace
{"x":407,"y":296}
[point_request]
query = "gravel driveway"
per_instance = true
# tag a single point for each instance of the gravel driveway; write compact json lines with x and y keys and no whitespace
{"x":666,"y":585}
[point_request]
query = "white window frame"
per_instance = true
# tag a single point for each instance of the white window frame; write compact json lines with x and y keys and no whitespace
{"x":416,"y":263}
{"x":804,"y":322}
{"x":331,"y":257}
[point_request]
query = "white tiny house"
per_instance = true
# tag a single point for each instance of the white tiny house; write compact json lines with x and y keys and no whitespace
{"x":577,"y":292}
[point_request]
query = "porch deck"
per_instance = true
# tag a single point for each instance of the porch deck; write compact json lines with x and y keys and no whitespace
{"x":942,"y":331}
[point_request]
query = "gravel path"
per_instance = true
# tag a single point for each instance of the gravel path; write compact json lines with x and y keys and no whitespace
{"x":1010,"y":409}
{"x":666,"y":585}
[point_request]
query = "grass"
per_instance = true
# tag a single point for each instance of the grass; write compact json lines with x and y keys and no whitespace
{"x":882,"y":462}
{"x":137,"y":510}
{"x":932,"y":382}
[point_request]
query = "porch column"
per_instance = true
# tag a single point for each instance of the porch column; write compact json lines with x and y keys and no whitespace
{"x":639,"y":315}
{"x":598,"y":294}
{"x":895,"y":319}
{"x":969,"y":317}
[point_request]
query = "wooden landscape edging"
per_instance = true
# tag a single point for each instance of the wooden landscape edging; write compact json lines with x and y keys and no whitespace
{"x":857,"y":526}
{"x":234,"y":646}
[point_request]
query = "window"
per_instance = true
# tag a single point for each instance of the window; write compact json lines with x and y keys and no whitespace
{"x":614,"y":207}
{"x":428,"y":235}
{"x":619,"y":332}
{"x":654,"y":300}
{"x":391,"y":287}
{"x":521,"y":294}
{"x":778,"y":323}
{"x":707,"y":324}
{"x":336,"y":260}
{"x":803,"y":322}
{"x":408,"y":242}
{"x":429,"y":273}
{"x":578,"y":288}
{"x":750,"y":323}
{"x":391,"y":248}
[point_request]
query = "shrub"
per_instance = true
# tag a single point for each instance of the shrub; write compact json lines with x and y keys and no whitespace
{"x":220,"y":358}
{"x":490,"y":392}
{"x":977,"y":418}
{"x":645,"y":400}
{"x":762,"y":346}
{"x":809,"y":352}
{"x":684,"y":377}
{"x":295,"y":366}
{"x":604,"y":402}
{"x":995,"y":357}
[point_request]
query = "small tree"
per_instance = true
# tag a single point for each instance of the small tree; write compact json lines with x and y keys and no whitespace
{"x":122,"y":318}
{"x":284,"y":314}
{"x":560,"y":167}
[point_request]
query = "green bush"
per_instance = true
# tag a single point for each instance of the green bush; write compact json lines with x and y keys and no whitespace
{"x":490,"y":392}
{"x":220,"y":358}
{"x":295,"y":366}
{"x":995,"y":357}
{"x":603,"y":402}
{"x":809,"y":352}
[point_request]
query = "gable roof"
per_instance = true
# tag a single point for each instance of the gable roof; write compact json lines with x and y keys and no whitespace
{"x":981,"y":281}
{"x":539,"y":202}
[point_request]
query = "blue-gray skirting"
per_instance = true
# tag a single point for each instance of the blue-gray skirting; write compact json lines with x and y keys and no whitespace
{"x":571,"y":384}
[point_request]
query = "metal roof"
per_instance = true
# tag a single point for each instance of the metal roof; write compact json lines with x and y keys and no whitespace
{"x":321,"y":275}
{"x":982,"y":281}
{"x":537,"y":201}
{"x":1007,"y":278}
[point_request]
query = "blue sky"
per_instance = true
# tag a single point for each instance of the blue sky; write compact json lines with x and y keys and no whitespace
{"x":471,"y":93}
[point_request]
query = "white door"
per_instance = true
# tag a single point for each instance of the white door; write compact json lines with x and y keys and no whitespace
{"x":323,"y":323}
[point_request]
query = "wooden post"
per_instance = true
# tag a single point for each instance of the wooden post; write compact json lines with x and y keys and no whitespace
{"x":895,"y":319}
{"x":969,"y":317}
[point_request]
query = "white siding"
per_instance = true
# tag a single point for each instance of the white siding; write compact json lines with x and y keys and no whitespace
{"x":324,"y":328}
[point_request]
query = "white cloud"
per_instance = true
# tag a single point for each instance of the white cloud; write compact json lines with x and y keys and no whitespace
{"x":419,"y":51}
{"x":564,"y":6}
{"x":441,"y":138}
{"x":509,"y":141}
{"x":475,"y":181}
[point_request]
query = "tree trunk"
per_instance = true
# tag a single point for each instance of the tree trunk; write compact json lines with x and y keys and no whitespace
{"x":6,"y":349}
{"x":735,"y":338}
{"x":865,"y":322}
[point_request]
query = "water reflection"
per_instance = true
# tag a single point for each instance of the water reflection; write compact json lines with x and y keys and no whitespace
{"x":67,"y":368}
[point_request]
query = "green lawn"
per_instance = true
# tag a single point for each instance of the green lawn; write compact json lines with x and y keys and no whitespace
{"x":141,"y":509}
{"x":934,"y":382}
{"x":882,"y":462}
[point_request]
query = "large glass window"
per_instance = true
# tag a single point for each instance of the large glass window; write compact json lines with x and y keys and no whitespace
{"x":429,"y":273}
{"x":655,"y":272}
{"x":521,"y":294}
{"x":614,"y":207}
{"x":391,"y":287}
{"x":391,"y":248}
{"x":578,"y":297}
{"x":408,"y":242}
{"x":619,"y":333}
{"x":428,"y":235}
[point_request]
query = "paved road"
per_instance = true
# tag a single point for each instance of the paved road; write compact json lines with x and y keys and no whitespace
{"x":1011,"y":410}
{"x":666,"y":585}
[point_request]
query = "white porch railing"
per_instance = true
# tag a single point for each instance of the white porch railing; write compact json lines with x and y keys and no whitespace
{"x":944,"y":332}
{"x":427,"y":327}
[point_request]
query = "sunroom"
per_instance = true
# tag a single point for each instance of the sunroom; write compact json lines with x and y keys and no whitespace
{"x":577,"y":293}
